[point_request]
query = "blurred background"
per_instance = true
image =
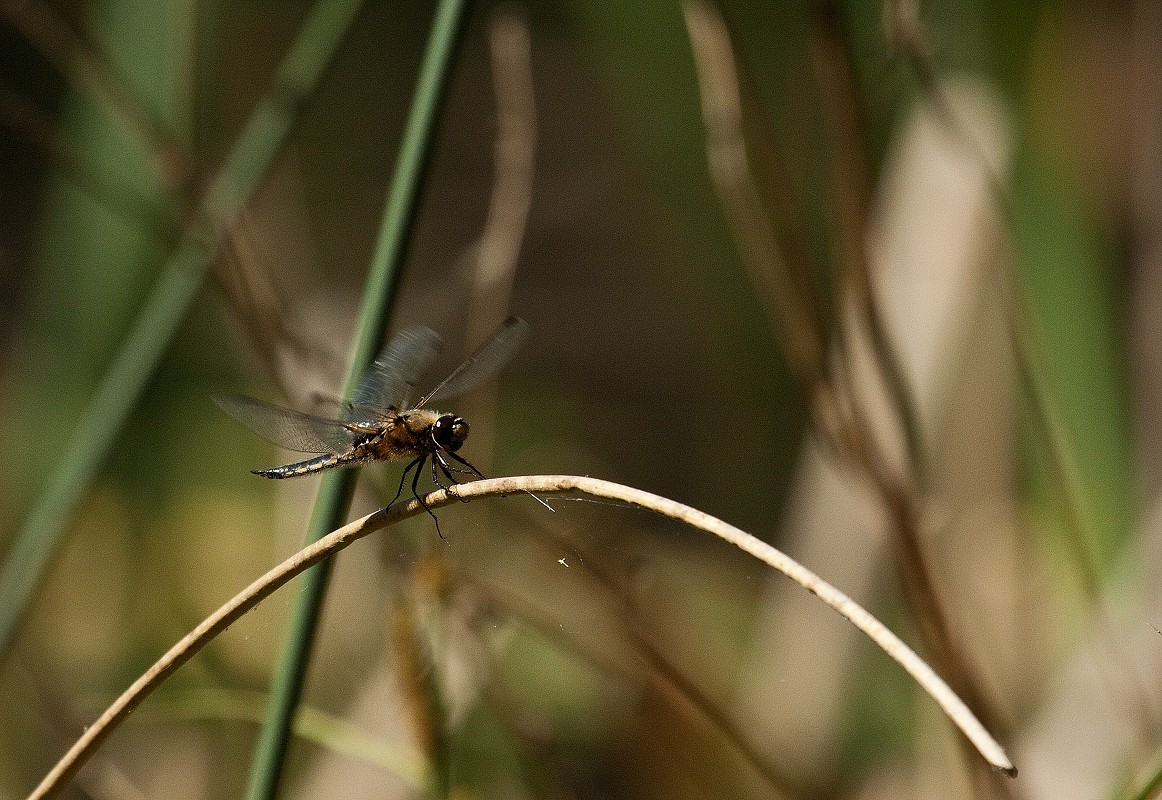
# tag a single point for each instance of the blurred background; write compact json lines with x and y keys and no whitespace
{"x":876,"y":282}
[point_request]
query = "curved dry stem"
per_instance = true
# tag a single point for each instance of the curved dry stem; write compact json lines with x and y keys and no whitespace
{"x":514,"y":155}
{"x":790,"y":308}
{"x":335,"y":541}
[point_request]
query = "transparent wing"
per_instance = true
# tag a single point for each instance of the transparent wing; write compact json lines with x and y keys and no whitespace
{"x":332,"y":408}
{"x":304,"y":433}
{"x":391,"y":379}
{"x":484,"y":363}
{"x":326,"y":406}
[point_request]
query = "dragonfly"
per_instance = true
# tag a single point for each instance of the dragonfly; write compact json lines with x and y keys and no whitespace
{"x":380,"y":423}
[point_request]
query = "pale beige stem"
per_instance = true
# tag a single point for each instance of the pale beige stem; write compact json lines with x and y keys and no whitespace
{"x":335,"y":541}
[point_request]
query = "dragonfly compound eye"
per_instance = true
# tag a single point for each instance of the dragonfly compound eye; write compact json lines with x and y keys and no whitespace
{"x":450,"y":432}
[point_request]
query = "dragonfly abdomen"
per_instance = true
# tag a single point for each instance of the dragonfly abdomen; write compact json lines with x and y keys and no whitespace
{"x":363,"y":451}
{"x":301,"y":468}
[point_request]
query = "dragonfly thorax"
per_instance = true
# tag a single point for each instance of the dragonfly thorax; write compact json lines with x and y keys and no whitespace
{"x":419,"y":430}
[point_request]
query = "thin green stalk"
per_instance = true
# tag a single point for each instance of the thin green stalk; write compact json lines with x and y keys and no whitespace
{"x":318,"y":727}
{"x":335,"y":489}
{"x":180,"y":280}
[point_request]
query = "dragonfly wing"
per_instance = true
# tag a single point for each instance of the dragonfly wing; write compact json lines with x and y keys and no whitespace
{"x":484,"y":363}
{"x":332,"y":408}
{"x":393,"y":376}
{"x":304,"y":433}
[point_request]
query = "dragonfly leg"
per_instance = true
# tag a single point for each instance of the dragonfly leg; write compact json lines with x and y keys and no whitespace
{"x":452,"y":468}
{"x":448,"y":469}
{"x":438,"y":461}
{"x":416,"y":492}
{"x":464,"y":461}
{"x":414,"y":462}
{"x":479,"y":474}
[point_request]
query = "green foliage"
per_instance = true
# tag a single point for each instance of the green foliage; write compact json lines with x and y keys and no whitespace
{"x":256,"y":142}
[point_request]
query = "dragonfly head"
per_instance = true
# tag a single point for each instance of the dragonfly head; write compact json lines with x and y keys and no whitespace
{"x":449,"y":432}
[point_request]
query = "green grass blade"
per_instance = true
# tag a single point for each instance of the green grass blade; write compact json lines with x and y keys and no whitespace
{"x":335,"y":489}
{"x":1078,"y":369}
{"x":320,"y":728}
{"x":166,"y":305}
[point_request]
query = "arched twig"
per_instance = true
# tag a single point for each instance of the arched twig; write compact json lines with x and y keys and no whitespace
{"x":335,"y":541}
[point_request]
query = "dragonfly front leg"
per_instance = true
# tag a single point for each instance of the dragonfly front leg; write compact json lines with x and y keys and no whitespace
{"x":448,"y":470}
{"x":438,"y":461}
{"x":471,"y":468}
